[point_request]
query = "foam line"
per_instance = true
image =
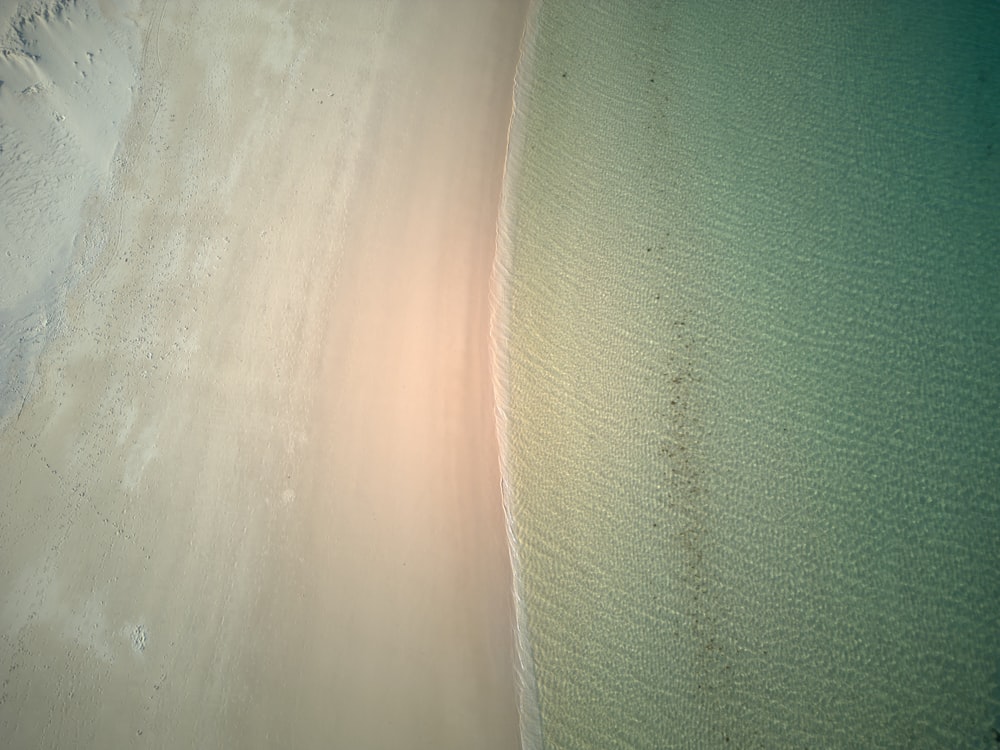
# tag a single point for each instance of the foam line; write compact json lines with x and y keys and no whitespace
{"x":526,"y":685}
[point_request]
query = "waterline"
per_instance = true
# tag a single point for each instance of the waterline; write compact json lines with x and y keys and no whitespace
{"x":524,"y":670}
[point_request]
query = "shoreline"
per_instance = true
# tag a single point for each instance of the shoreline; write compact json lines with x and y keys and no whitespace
{"x":529,"y":716}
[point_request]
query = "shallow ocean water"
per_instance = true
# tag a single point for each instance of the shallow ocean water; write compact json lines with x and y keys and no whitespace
{"x":750,"y":261}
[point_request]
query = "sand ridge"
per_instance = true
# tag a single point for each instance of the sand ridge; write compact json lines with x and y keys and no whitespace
{"x":67,"y":75}
{"x":254,"y":497}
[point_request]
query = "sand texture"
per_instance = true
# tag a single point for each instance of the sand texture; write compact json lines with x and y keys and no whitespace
{"x":250,"y":495}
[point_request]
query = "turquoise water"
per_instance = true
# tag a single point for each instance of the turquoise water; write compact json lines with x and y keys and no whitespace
{"x":750,"y":338}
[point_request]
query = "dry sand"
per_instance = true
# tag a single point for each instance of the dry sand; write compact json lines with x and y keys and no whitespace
{"x":250,"y":498}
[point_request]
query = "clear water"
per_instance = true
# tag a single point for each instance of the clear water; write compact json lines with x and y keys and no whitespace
{"x":749,"y":345}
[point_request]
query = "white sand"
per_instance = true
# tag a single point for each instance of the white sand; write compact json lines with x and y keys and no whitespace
{"x":66,"y":82}
{"x":251,"y":499}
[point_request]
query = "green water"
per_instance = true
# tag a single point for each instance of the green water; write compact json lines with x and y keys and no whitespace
{"x":752,"y":267}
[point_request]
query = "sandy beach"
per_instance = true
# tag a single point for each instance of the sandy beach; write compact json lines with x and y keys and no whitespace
{"x":250,"y":485}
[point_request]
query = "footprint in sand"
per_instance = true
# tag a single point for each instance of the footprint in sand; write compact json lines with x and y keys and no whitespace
{"x":138,"y":637}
